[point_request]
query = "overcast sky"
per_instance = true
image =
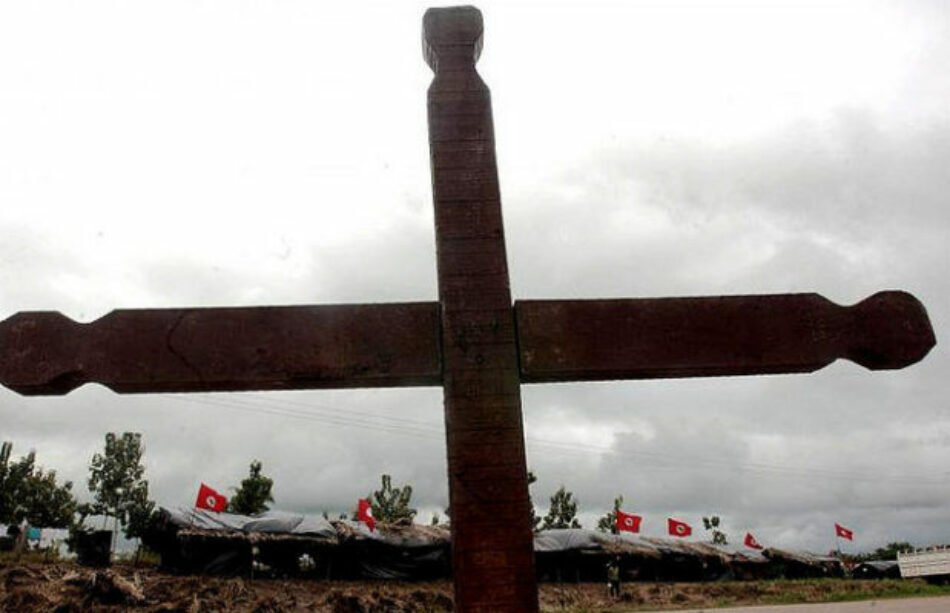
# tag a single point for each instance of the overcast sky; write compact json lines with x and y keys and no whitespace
{"x":165,"y":154}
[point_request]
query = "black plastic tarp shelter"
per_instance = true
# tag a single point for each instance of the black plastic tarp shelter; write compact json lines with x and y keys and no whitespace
{"x":198,"y":541}
{"x":582,"y":555}
{"x":286,"y":544}
{"x":877,"y":569}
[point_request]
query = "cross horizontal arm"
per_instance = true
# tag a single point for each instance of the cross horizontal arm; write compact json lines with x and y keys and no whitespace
{"x":226,"y":349}
{"x":589,"y":340}
{"x":389,"y":345}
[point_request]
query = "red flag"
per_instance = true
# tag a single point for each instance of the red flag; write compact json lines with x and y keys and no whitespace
{"x":627,"y":522}
{"x":364,"y":513}
{"x":210,"y":499}
{"x":844,"y":532}
{"x":678,"y":528}
{"x":750,"y":541}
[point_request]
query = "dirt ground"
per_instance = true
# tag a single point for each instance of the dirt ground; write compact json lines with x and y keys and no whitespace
{"x":68,"y":588}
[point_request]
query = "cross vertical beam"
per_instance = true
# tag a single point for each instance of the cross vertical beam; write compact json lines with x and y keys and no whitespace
{"x":492,"y":542}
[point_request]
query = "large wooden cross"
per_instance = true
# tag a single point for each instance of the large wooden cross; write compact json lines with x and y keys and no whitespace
{"x":473,"y":341}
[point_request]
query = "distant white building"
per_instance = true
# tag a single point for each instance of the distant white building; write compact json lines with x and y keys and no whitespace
{"x":931,"y":563}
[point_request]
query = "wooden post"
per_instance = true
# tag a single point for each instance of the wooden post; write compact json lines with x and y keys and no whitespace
{"x":492,"y":542}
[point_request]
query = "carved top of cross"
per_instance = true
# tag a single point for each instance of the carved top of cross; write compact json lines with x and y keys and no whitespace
{"x":474,"y":342}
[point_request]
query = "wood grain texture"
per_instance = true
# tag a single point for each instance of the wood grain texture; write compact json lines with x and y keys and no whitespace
{"x":649,"y":338}
{"x":492,"y":545}
{"x":227,"y":349}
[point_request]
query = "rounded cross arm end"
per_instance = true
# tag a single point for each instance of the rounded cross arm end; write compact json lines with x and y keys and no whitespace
{"x":894,"y":331}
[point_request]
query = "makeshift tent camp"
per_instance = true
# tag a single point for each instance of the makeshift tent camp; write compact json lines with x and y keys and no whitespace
{"x":286,"y":544}
{"x":803,"y":565}
{"x":582,"y":555}
{"x":877,"y":569}
{"x":401,"y":550}
{"x":196,"y":541}
{"x":199,"y":541}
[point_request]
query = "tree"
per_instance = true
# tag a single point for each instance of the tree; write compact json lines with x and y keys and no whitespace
{"x":27,"y":492}
{"x":254,"y":494}
{"x":12,"y":476}
{"x":47,"y":504}
{"x":391,"y":504}
{"x":718,"y":536}
{"x":563,"y":511}
{"x":888,"y":552}
{"x":117,"y":483}
{"x":535,"y":518}
{"x":608,"y":523}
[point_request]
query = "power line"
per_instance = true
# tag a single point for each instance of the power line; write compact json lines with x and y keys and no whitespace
{"x":429,"y":430}
{"x":320,"y":418}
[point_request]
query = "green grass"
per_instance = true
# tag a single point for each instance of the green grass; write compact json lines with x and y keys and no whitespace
{"x":846,"y":590}
{"x":28,"y":557}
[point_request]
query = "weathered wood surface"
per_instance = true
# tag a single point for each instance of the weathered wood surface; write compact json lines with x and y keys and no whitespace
{"x":492,"y":545}
{"x":472,"y":342}
{"x":587,"y":340}
{"x":226,"y":349}
{"x":385,"y":345}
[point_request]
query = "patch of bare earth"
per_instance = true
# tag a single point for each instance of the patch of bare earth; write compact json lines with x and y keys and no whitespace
{"x":67,"y":588}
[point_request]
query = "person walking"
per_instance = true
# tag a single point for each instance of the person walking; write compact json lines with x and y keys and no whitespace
{"x":613,"y":578}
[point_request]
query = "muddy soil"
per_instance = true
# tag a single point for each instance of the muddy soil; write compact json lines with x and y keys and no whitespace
{"x":68,"y":588}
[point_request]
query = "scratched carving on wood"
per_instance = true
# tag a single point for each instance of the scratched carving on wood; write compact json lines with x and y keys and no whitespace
{"x":473,"y":342}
